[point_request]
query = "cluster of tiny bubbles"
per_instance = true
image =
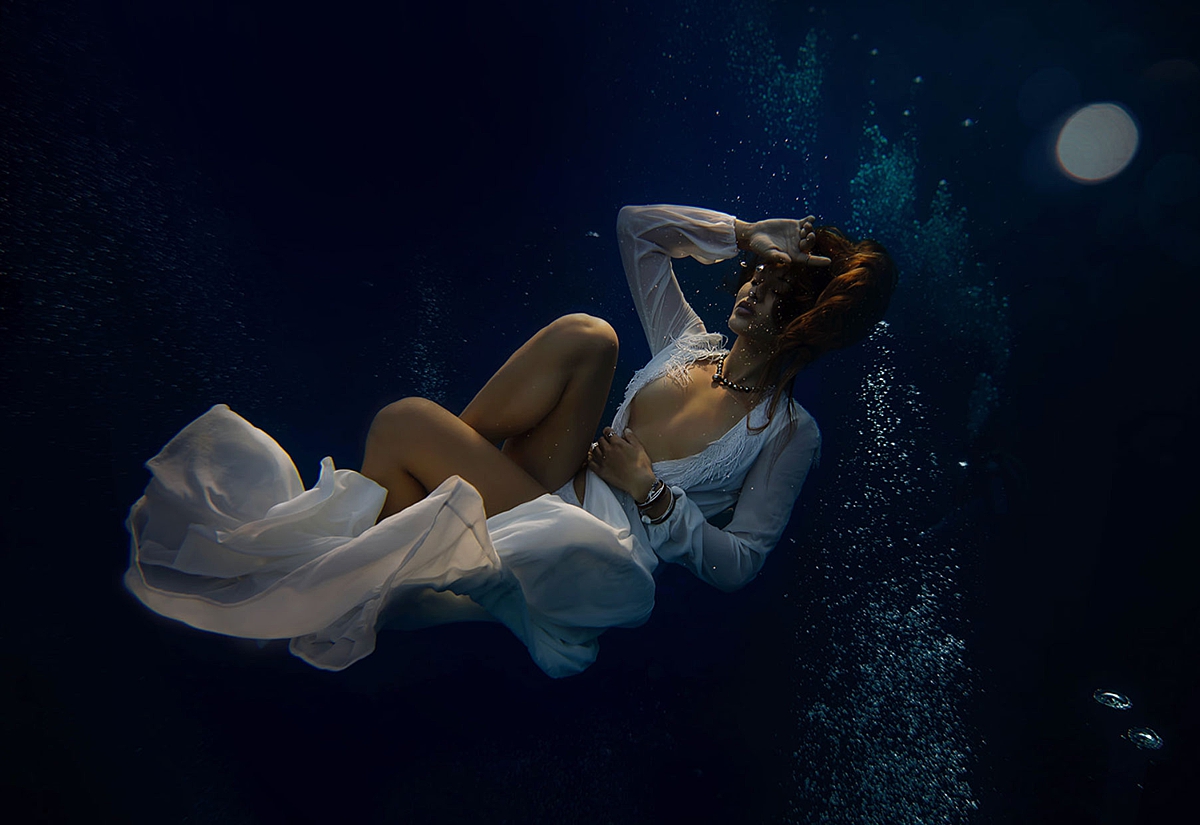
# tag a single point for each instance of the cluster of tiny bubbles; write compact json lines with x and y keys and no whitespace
{"x":123,"y":282}
{"x":883,"y":190}
{"x":964,"y":301}
{"x":786,"y":98}
{"x":882,"y":738}
{"x":942,"y":293}
{"x":427,"y":361}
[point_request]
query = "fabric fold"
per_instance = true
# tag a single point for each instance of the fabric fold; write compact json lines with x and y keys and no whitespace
{"x":226,"y":539}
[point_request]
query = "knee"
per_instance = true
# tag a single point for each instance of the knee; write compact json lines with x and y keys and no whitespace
{"x":400,"y":416}
{"x":587,"y":337}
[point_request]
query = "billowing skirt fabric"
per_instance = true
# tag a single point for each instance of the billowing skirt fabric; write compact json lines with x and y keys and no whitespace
{"x":226,"y":539}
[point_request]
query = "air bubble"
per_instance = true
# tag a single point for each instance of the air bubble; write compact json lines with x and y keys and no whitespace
{"x":1113,"y":700}
{"x":1144,"y":738}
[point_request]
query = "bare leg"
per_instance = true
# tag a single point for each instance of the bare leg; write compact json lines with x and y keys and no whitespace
{"x":414,"y":445}
{"x":546,"y":401}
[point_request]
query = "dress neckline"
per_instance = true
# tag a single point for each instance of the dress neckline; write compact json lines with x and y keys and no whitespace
{"x":661,"y":365}
{"x":740,"y":423}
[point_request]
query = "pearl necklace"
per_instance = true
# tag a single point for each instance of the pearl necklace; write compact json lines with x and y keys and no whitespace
{"x":718,"y":378}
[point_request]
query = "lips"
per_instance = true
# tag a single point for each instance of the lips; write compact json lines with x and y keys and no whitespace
{"x":743,"y":309}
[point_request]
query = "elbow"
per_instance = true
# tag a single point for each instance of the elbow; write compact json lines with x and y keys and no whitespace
{"x":624,"y":218}
{"x":627,"y":219}
{"x":737,"y":572}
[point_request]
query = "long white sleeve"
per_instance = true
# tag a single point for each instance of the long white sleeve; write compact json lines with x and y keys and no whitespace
{"x":730,"y":558}
{"x":649,"y":237}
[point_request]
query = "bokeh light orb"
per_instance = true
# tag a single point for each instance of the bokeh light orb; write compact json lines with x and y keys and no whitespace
{"x":1096,"y":142}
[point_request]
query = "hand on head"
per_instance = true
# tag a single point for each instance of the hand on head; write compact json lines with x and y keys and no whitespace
{"x":782,"y":241}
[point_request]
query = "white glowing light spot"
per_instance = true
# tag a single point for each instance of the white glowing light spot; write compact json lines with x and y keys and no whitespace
{"x":1096,"y":143}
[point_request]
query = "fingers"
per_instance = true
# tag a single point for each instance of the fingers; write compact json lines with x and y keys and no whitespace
{"x":600,"y":451}
{"x":808,"y":237}
{"x":595,"y":457}
{"x":610,"y":443}
{"x":600,"y":446}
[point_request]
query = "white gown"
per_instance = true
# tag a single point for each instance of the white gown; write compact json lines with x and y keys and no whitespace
{"x":227,"y":539}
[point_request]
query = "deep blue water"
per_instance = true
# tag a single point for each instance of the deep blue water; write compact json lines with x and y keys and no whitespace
{"x":307,"y":212}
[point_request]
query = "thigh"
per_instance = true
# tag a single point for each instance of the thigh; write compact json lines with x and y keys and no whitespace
{"x":429,"y":443}
{"x":555,"y":449}
{"x":545,"y":403}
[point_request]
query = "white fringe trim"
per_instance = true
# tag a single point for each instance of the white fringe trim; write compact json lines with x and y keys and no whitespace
{"x":721,"y":458}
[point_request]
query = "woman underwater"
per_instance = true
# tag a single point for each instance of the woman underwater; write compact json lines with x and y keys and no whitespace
{"x":552,"y":533}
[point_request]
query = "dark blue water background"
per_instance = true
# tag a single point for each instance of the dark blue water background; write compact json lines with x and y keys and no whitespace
{"x":307,"y":211}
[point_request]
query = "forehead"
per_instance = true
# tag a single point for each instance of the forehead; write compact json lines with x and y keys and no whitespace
{"x":775,"y":276}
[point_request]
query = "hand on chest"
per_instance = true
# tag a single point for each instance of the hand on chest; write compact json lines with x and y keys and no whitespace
{"x":676,"y":420}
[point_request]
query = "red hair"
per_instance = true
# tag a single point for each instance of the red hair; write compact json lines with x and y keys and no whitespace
{"x":828,"y":307}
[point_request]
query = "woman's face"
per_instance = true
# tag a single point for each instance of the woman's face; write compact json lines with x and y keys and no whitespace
{"x":754,"y":308}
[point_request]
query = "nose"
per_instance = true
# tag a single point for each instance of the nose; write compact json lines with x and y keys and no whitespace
{"x":756,"y":284}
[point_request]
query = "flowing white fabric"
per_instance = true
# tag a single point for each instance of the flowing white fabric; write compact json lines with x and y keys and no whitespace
{"x":227,"y":539}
